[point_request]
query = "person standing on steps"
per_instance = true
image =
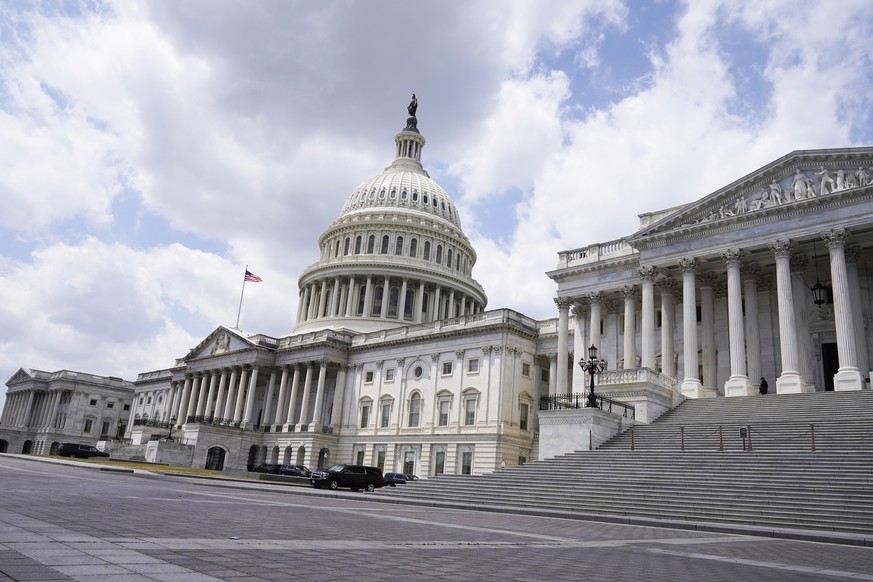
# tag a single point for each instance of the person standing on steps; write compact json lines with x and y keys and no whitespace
{"x":763,"y":388}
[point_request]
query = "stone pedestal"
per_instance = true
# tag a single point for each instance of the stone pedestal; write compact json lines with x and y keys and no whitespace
{"x":848,"y":380}
{"x":792,"y":384}
{"x":694,"y":389}
{"x":739,"y":386}
{"x":576,"y":429}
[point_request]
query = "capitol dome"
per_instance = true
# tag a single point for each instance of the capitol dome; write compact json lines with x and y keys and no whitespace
{"x":395,"y":256}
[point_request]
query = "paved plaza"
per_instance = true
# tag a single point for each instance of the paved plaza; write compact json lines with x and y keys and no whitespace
{"x":66,"y":522}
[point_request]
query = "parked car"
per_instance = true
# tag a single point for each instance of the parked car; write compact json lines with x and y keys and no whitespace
{"x":355,"y":477}
{"x":79,"y":451}
{"x":393,"y":479}
{"x":295,"y":470}
{"x":271,"y":468}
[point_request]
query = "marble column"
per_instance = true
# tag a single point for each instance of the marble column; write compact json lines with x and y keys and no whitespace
{"x":789,"y":380}
{"x":368,"y":297}
{"x":595,"y":299}
{"x":579,"y":338}
{"x":351,"y":297}
{"x":232,"y":388}
{"x":53,"y":409}
{"x":647,"y":340}
{"x":563,"y":321}
{"x":240,"y":394}
{"x":668,"y":309}
{"x":222,"y":394}
{"x":853,"y":254}
{"x":304,"y":406}
{"x":291,"y":419}
{"x":707,"y":281}
{"x":802,"y":299}
{"x":553,"y":374}
{"x":319,"y":393}
{"x":213,"y":386}
{"x":250,"y":398}
{"x":268,"y":413}
{"x":182,"y":414}
{"x":738,"y":383}
{"x":401,"y":301}
{"x":848,"y":377}
{"x":303,"y":308}
{"x":386,"y":297}
{"x":753,"y":336}
{"x":691,"y":385}
{"x":630,"y":334}
{"x":281,"y":405}
{"x":419,"y":304}
{"x":196,"y":389}
{"x":338,"y":395}
{"x":437,"y":312}
{"x":335,"y":300}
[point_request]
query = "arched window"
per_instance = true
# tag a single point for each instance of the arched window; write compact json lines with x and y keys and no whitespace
{"x":377,"y":302}
{"x":439,"y":254}
{"x":449,"y":258}
{"x":458,"y":262}
{"x":413,"y":247}
{"x":362,"y":295}
{"x":384,"y":249}
{"x":414,"y":409}
{"x":424,"y":199}
{"x":336,"y":249}
{"x":348,"y":243}
{"x":398,"y":246}
{"x":392,"y":302}
{"x":434,"y":202}
{"x":393,"y":194}
{"x":407,"y":307}
{"x":415,"y":195}
{"x":371,"y":244}
{"x":358,"y":246}
{"x":426,"y":250}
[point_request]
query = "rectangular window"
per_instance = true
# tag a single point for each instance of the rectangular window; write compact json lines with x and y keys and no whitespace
{"x":470,"y":411}
{"x":126,"y":407}
{"x":414,"y":411}
{"x":93,"y":402}
{"x":522,"y":416}
{"x":444,"y":413}
{"x":359,"y":460}
{"x":87,"y":426}
{"x":447,"y":368}
{"x":365,"y":415}
{"x":386,"y":415}
{"x":544,"y":375}
{"x":105,"y":429}
{"x":380,"y":460}
{"x":389,"y":375}
{"x":525,"y":370}
{"x":368,"y":377}
{"x":467,"y":463}
{"x":110,"y":405}
{"x":473,"y":366}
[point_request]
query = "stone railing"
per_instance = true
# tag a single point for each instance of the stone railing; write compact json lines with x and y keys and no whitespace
{"x":637,"y":376}
{"x":594,"y":253}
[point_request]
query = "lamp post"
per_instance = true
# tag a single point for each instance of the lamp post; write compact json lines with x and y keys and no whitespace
{"x":593,"y":366}
{"x":172,"y":424}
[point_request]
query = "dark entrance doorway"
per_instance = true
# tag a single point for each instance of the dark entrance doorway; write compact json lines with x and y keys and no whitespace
{"x":3,"y":446}
{"x":215,"y":459}
{"x":830,"y":364}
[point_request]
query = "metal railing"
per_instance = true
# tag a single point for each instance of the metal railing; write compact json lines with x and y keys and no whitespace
{"x":580,"y":400}
{"x":214,"y":421}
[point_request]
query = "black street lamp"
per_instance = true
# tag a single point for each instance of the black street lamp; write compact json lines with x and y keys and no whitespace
{"x":172,"y":424}
{"x":593,"y":366}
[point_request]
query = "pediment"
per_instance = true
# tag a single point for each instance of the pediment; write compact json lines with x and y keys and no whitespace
{"x":800,"y":178}
{"x":21,"y":375}
{"x":219,"y":342}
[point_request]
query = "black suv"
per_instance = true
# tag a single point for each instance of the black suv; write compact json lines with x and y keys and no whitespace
{"x":355,"y":477}
{"x":79,"y":451}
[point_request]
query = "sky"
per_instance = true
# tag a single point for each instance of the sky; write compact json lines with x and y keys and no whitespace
{"x":152,"y":149}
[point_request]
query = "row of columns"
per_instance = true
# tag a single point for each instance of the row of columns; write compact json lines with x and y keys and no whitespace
{"x":229,"y":393}
{"x":745,"y":363}
{"x":338,"y":297}
{"x":32,"y":409}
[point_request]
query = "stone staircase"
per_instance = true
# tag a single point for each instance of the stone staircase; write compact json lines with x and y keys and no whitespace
{"x":780,"y":482}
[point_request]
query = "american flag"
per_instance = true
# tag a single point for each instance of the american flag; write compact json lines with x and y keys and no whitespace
{"x":251,"y":277}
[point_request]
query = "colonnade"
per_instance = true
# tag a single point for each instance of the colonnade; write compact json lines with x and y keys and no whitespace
{"x":228,"y":395}
{"x":699,"y":372}
{"x":32,"y":409}
{"x":404,"y":300}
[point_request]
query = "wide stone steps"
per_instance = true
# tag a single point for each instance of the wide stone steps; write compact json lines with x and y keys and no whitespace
{"x":779,"y":483}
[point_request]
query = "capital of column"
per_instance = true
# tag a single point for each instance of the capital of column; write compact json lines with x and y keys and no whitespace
{"x":580,"y":310}
{"x":460,"y":354}
{"x":594,"y":297}
{"x":688,"y":265}
{"x":563,"y":303}
{"x":853,"y":253}
{"x":434,"y":357}
{"x":553,"y":356}
{"x":707,"y":279}
{"x":731,"y":256}
{"x":781,"y":248}
{"x":400,"y":362}
{"x":647,"y":272}
{"x":380,"y":363}
{"x":798,"y":262}
{"x":750,"y":270}
{"x":835,"y":237}
{"x":629,"y":291}
{"x":667,"y":286}
{"x":612,"y":307}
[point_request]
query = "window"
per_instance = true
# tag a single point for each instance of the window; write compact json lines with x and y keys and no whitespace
{"x":418,"y":372}
{"x":110,"y":405}
{"x":467,"y":463}
{"x":126,"y":407}
{"x":544,"y":375}
{"x":407,"y":307}
{"x":384,"y":249}
{"x":346,"y":248}
{"x":105,"y":429}
{"x":409,"y":463}
{"x":525,"y":370}
{"x":358,"y":246}
{"x":473,"y":366}
{"x":94,"y":401}
{"x":380,"y":456}
{"x":523,"y":411}
{"x":140,"y":401}
{"x":393,"y":299}
{"x":368,"y":377}
{"x":439,"y":254}
{"x":389,"y":375}
{"x":371,"y":244}
{"x":449,"y":258}
{"x":337,"y":248}
{"x":386,"y":415}
{"x":360,"y":458}
{"x":439,"y":465}
{"x":377,"y":302}
{"x":470,"y":411}
{"x":444,"y":413}
{"x":365,"y":415}
{"x":149,"y":401}
{"x":87,"y":426}
{"x":447,"y":368}
{"x":426,"y":250}
{"x":398,"y":246}
{"x":414,"y":410}
{"x":413,"y":247}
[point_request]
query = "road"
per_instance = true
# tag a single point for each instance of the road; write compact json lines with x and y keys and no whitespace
{"x":64,"y":522}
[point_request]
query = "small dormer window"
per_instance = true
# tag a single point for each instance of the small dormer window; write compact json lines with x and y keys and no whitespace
{"x":372,"y":194}
{"x":443,"y":205}
{"x":403,"y":195}
{"x":424,"y":199}
{"x":393,"y":193}
{"x":382,"y":193}
{"x":415,"y":195}
{"x":434,"y":202}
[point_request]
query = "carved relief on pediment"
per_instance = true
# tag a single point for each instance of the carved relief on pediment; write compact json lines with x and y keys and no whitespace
{"x":773,"y":191}
{"x":222,"y":344}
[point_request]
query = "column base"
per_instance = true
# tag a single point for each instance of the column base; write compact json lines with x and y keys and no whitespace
{"x":692,"y":388}
{"x":303,"y":427}
{"x":792,"y":383}
{"x":848,"y":379}
{"x":739,"y":386}
{"x":289,"y":427}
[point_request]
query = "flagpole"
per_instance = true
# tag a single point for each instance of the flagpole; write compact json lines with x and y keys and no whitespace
{"x":241,"y":299}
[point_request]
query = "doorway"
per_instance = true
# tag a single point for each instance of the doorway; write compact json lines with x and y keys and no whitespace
{"x":830,"y":364}
{"x":215,"y":459}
